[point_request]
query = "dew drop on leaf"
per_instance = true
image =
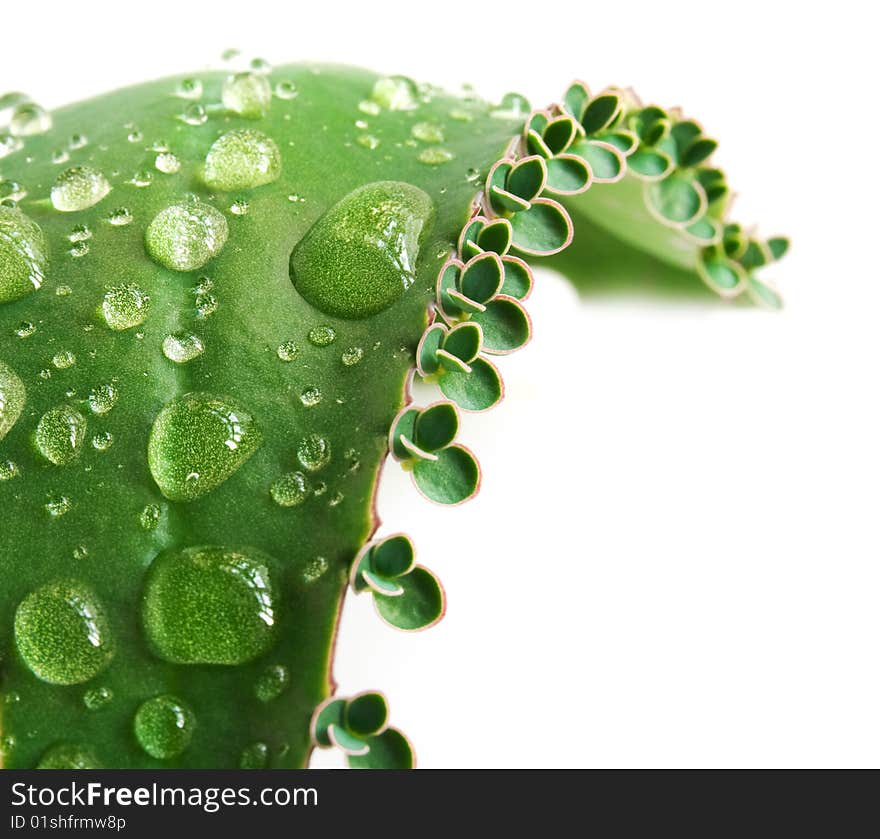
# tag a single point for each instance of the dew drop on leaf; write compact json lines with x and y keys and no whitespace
{"x":60,"y":434}
{"x":164,"y":726}
{"x":78,"y":188}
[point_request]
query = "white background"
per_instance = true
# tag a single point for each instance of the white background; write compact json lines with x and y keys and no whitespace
{"x":674,"y":557}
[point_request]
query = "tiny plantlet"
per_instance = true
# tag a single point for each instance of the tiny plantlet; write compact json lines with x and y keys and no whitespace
{"x":215,"y":291}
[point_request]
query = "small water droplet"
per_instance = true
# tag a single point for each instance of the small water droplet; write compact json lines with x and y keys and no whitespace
{"x":472,"y":175}
{"x":164,"y":726}
{"x":239,"y":207}
{"x":79,"y":249}
{"x":287,"y":351}
{"x":254,"y":756}
{"x":311,"y":396}
{"x":362,"y":124}
{"x":149,"y":517}
{"x":396,"y":93}
{"x":184,"y":237}
{"x":427,"y":132}
{"x":206,"y":304}
{"x":435,"y":156}
{"x":102,"y":398}
{"x":142,"y":178}
{"x":58,"y":505}
{"x":77,"y":141}
{"x":247,"y":94}
{"x":460,"y":115}
{"x":352,"y":356}
{"x":167,"y":163}
{"x":80,"y":552}
{"x":96,"y":698}
{"x":12,"y":191}
{"x":272,"y":682}
{"x":290,"y":490}
{"x":24,"y":257}
{"x":194,"y":114}
{"x":8,"y":470}
{"x":336,"y":499}
{"x":314,"y":452}
{"x":182,"y":347}
{"x":242,"y":159}
{"x":371,"y":108}
{"x":60,"y":434}
{"x":30,"y":119}
{"x":189,"y":89}
{"x":60,"y":156}
{"x":63,"y":359}
{"x":322,"y":336}
{"x":125,"y":306}
{"x":62,"y":633}
{"x":78,"y":188}
{"x":211,"y":605}
{"x":368,"y":141}
{"x":286,"y":90}
{"x":315,"y":569}
{"x":120,"y":217}
{"x":63,"y":291}
{"x":102,"y":441}
{"x":25,"y":329}
{"x":68,"y":756}
{"x":135,"y":136}
{"x":9,"y":144}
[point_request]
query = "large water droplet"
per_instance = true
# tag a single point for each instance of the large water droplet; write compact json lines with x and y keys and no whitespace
{"x":360,"y":256}
{"x":242,"y":159}
{"x":182,"y":347}
{"x":197,"y":442}
{"x":23,"y":254}
{"x":290,"y":490}
{"x":12,"y":398}
{"x":125,"y":306}
{"x":68,"y":756}
{"x":396,"y":93}
{"x":60,"y":434}
{"x":210,"y":605}
{"x":79,"y":188}
{"x":164,"y":726}
{"x":185,"y":236}
{"x":62,"y":633}
{"x":248,"y":94}
{"x":313,"y":452}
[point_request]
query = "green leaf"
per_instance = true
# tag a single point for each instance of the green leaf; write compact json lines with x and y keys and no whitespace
{"x":527,"y":178}
{"x":380,"y":585}
{"x":705,"y":230}
{"x":559,"y":134}
{"x":447,"y":281}
{"x":544,"y":229}
{"x":605,"y":161}
{"x":481,"y":277}
{"x":349,"y":743}
{"x":495,"y":236}
{"x":478,"y":390}
{"x":778,"y":246}
{"x":419,"y":607}
{"x":600,"y":112}
{"x":575,"y":99}
{"x":503,"y":201}
{"x":683,"y":134}
{"x":436,"y":426}
{"x":464,"y":341}
{"x":452,"y":479}
{"x":763,"y":294}
{"x":388,"y":750}
{"x":366,"y":714}
{"x":698,"y":151}
{"x":722,"y":275}
{"x":517,"y":278}
{"x":535,"y":145}
{"x":426,"y":352}
{"x":755,"y":255}
{"x":394,"y":556}
{"x":624,"y":141}
{"x":328,"y":713}
{"x":403,"y":427}
{"x":678,"y":199}
{"x":505,"y":325}
{"x":649,"y":164}
{"x":568,"y":174}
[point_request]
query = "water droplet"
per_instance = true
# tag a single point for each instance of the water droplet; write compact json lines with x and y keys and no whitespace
{"x":63,"y":291}
{"x":286,"y":90}
{"x":320,"y":488}
{"x":197,"y":442}
{"x":260,"y":65}
{"x":9,"y":144}
{"x":25,"y":329}
{"x":96,"y":698}
{"x":427,"y":132}
{"x":189,"y":89}
{"x":142,"y":178}
{"x":79,"y":249}
{"x":57,"y":506}
{"x":315,"y":569}
{"x":211,"y":605}
{"x":336,"y":499}
{"x":164,"y":726}
{"x":12,"y":398}
{"x":287,"y":351}
{"x":8,"y":470}
{"x":239,"y":207}
{"x":472,"y":175}
{"x":125,"y":306}
{"x":182,"y":347}
{"x":185,"y":236}
{"x":194,"y":114}
{"x":206,"y":304}
{"x":23,"y":255}
{"x":11,"y":191}
{"x":77,"y":141}
{"x":120,"y":217}
{"x":68,"y":756}
{"x":313,"y":452}
{"x":396,"y":93}
{"x":371,"y":108}
{"x":60,"y":156}
{"x":149,"y":517}
{"x":272,"y":682}
{"x":435,"y":156}
{"x":362,"y":124}
{"x":242,"y":159}
{"x":460,"y":115}
{"x":135,"y":136}
{"x":247,"y":94}
{"x":352,"y":356}
{"x":63,"y":359}
{"x":79,"y":188}
{"x":290,"y":490}
{"x":255,"y":756}
{"x":311,"y":396}
{"x":80,"y":552}
{"x":102,"y":441}
{"x":60,"y":434}
{"x":167,"y":163}
{"x":102,"y":398}
{"x":30,"y":119}
{"x":45,"y":374}
{"x":360,"y":256}
{"x":322,"y":336}
{"x":62,"y":633}
{"x":368,"y":141}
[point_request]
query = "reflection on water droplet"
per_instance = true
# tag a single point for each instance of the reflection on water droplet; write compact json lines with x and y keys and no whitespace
{"x":102,"y":398}
{"x":78,"y":188}
{"x":30,"y":119}
{"x":360,"y":256}
{"x":368,"y":141}
{"x":396,"y":93}
{"x":164,"y":726}
{"x":239,"y":207}
{"x":287,"y":351}
{"x":197,"y":442}
{"x":142,"y":178}
{"x":311,"y":396}
{"x":182,"y":347}
{"x":80,"y":552}
{"x":247,"y":94}
{"x":167,"y":162}
{"x":184,"y":237}
{"x":371,"y":108}
{"x":290,"y":490}
{"x":24,"y":257}
{"x":63,"y":291}
{"x":62,"y":633}
{"x":60,"y":434}
{"x":435,"y":156}
{"x":25,"y":329}
{"x":125,"y":306}
{"x":211,"y":605}
{"x":60,"y":156}
{"x":77,"y":141}
{"x":352,"y":356}
{"x":11,"y":191}
{"x":314,"y":452}
{"x":322,"y":336}
{"x":472,"y":175}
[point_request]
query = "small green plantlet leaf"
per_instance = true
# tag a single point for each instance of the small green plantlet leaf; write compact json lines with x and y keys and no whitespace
{"x":568,"y":174}
{"x":503,"y":201}
{"x":380,"y":585}
{"x":328,"y":713}
{"x":606,"y":162}
{"x":448,"y":361}
{"x":705,"y":230}
{"x":366,"y":714}
{"x":755,"y":255}
{"x":426,"y":352}
{"x":478,"y":390}
{"x":495,"y":236}
{"x":388,"y":750}
{"x":464,"y":303}
{"x":684,"y":134}
{"x":535,"y":145}
{"x":464,"y":341}
{"x":657,"y":132}
{"x":677,"y":199}
{"x":452,"y":479}
{"x":778,"y":246}
{"x":698,"y":151}
{"x":650,"y":164}
{"x":420,"y":606}
{"x":527,"y":178}
{"x":722,"y":275}
{"x":600,"y":112}
{"x":544,"y":229}
{"x":468,"y":242}
{"x":576,"y":98}
{"x":481,"y":277}
{"x":505,"y":324}
{"x":403,"y":428}
{"x":517,"y":278}
{"x":624,"y":141}
{"x":447,"y":284}
{"x":763,"y":295}
{"x":346,"y":741}
{"x":436,"y":426}
{"x":393,"y":556}
{"x":559,"y":134}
